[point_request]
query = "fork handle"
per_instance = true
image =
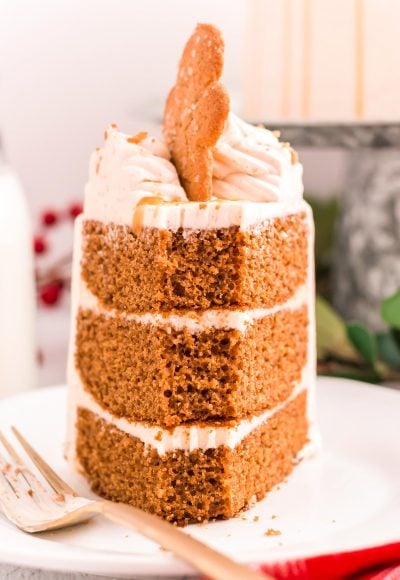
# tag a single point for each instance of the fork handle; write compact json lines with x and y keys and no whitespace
{"x":205,"y":559}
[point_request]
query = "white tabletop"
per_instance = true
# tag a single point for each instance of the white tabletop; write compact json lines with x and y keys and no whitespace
{"x":15,"y":573}
{"x":53,"y":327}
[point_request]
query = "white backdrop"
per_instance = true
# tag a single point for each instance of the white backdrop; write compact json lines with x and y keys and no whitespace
{"x":70,"y":67}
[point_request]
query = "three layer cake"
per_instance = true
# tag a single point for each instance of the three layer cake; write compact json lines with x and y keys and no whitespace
{"x":191,"y":367}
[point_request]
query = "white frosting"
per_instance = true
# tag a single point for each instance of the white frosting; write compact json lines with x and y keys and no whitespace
{"x":213,"y":318}
{"x":250,"y":163}
{"x":214,"y":214}
{"x":72,"y":393}
{"x":188,"y":437}
{"x":194,"y":436}
{"x":122,"y":173}
{"x":314,"y":436}
{"x":251,"y":166}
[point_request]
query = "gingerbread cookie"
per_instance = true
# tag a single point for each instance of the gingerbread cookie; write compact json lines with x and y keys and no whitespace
{"x":196,"y":111}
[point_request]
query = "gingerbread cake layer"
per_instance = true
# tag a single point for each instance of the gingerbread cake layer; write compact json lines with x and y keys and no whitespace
{"x":191,"y":486}
{"x":164,"y":270}
{"x":158,"y":373}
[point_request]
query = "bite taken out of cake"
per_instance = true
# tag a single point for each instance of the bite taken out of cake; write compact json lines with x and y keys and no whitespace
{"x":192,"y":357}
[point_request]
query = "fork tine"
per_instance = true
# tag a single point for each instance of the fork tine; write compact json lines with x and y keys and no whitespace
{"x":5,"y":467}
{"x":51,"y":477}
{"x":17,"y":468}
{"x":10,"y":450}
{"x":19,"y":464}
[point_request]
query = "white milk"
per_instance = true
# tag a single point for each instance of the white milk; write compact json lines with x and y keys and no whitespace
{"x":17,"y":291}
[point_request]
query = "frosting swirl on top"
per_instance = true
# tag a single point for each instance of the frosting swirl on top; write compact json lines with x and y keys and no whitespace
{"x":251,"y":164}
{"x":125,"y":171}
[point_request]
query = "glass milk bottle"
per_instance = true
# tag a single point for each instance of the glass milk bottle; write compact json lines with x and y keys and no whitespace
{"x":17,"y":289}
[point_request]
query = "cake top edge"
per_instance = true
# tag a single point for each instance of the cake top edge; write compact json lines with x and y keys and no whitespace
{"x":250,"y":164}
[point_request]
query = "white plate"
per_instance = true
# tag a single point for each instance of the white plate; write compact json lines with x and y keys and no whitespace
{"x":346,"y":498}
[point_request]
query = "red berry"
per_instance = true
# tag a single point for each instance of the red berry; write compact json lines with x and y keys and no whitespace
{"x":75,"y":209}
{"x":40,"y":357}
{"x":49,"y":217}
{"x":40,"y":244}
{"x":50,"y":294}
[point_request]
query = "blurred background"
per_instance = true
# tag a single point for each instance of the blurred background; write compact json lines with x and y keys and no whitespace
{"x":68,"y":68}
{"x":326,"y":73}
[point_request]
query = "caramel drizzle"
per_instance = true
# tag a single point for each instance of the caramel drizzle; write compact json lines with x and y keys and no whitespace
{"x":137,"y":221}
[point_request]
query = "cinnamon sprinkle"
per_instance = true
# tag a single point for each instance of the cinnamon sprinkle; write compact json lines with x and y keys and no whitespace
{"x":138,"y":137}
{"x":272,"y":532}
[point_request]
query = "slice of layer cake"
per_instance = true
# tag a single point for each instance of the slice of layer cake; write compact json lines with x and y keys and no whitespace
{"x":191,"y":369}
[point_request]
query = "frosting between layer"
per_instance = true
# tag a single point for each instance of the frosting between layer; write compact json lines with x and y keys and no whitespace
{"x":77,"y":396}
{"x":185,"y":437}
{"x":192,"y":322}
{"x":250,"y":163}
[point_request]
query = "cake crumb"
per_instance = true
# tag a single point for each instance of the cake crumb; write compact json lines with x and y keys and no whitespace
{"x":59,"y":498}
{"x":293,"y":156}
{"x":138,"y":137}
{"x":273,"y":517}
{"x":30,"y":492}
{"x":252,"y":501}
{"x":272,"y":532}
{"x":256,"y":518}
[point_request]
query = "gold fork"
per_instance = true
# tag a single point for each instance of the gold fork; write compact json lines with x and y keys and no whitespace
{"x":34,"y":507}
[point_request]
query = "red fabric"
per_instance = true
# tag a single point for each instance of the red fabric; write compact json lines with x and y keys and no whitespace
{"x":378,"y":563}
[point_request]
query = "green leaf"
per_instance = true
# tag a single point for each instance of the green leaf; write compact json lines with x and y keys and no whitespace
{"x":396,"y":336}
{"x":390,"y":310}
{"x":364,"y":341}
{"x":325,"y":216}
{"x":332,"y":339}
{"x":389,"y":350}
{"x":348,"y":371}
